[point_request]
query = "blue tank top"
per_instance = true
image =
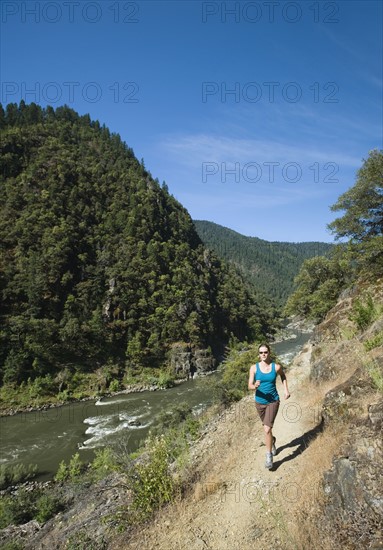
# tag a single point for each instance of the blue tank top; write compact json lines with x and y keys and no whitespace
{"x":267,"y":392}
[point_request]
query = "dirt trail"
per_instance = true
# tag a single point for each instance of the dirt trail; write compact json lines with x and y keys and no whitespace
{"x":239,"y":504}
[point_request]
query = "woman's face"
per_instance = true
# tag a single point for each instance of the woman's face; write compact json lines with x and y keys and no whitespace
{"x":263,"y":353}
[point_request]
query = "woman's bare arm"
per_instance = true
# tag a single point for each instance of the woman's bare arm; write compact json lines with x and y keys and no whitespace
{"x":281,"y":373}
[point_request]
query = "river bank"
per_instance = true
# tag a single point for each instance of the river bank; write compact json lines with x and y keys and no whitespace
{"x":133,"y":388}
{"x":47,"y":437}
{"x":296,"y":331}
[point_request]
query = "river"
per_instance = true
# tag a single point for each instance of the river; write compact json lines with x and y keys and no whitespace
{"x":47,"y":437}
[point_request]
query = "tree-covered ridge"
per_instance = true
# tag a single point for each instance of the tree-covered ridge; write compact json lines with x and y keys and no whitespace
{"x":100,"y":264}
{"x":270,"y":267}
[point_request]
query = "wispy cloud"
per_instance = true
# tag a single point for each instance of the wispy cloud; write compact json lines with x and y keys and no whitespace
{"x":194,"y":149}
{"x":241,"y":199}
{"x":230,"y":188}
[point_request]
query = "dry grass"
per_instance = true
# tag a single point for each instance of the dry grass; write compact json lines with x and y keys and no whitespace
{"x":304,"y":529}
{"x":208,"y":487}
{"x":300,"y":525}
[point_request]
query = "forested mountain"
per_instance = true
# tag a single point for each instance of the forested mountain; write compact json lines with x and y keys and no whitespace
{"x":99,"y":263}
{"x":270,"y":267}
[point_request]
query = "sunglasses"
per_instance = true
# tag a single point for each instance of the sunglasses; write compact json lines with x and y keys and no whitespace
{"x":260,"y":353}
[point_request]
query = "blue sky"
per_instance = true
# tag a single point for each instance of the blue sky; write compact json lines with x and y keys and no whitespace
{"x":257,"y":114}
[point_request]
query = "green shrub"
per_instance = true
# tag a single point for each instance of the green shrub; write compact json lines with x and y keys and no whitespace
{"x":82,"y":541}
{"x":47,"y":506}
{"x":42,"y":386}
{"x":64,"y":396}
{"x":363,"y":313}
{"x":121,"y":451}
{"x":179,"y":426}
{"x":166,"y":380}
{"x":27,"y":505}
{"x":192,"y":426}
{"x":318,"y":285}
{"x":18,"y":509}
{"x":114,"y":386}
{"x":172,"y":417}
{"x":72,"y":471}
{"x":233,"y":385}
{"x":103,"y":463}
{"x":226,"y":396}
{"x":12,"y":545}
{"x":374,"y":342}
{"x":13,"y":474}
{"x":62,"y":472}
{"x":376,"y":374}
{"x":151,"y":481}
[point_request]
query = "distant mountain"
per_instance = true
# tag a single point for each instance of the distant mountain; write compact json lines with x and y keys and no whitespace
{"x":269,"y":267}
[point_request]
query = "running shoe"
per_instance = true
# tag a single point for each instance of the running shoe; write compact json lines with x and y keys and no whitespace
{"x":269,"y":461}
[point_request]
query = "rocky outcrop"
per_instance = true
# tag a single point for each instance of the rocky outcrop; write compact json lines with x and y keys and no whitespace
{"x":203,"y":361}
{"x":353,"y":486}
{"x":375,"y":414}
{"x":352,"y":489}
{"x":90,"y":513}
{"x":187,"y":360}
{"x":346,"y":400}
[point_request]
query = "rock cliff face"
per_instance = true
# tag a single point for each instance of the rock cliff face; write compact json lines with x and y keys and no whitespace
{"x":353,"y":486}
{"x":353,"y":508}
{"x":187,"y":360}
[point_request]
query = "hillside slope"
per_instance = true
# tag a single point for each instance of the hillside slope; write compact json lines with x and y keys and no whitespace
{"x":100,"y":267}
{"x":269,"y":267}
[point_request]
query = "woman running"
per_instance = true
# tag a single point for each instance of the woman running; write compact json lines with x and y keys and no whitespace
{"x":262,"y":378}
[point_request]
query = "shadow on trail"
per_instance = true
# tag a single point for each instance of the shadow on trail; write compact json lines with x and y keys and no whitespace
{"x":300,"y":442}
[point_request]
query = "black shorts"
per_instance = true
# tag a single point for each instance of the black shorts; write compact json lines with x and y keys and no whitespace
{"x":267,"y":413}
